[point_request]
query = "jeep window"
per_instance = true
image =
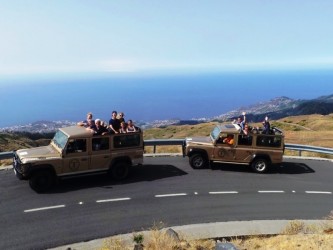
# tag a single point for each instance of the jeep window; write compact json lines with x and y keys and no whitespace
{"x":245,"y":140}
{"x":77,"y":146}
{"x":269,"y":141}
{"x":128,"y":140}
{"x":101,"y":143}
{"x":60,"y":139}
{"x":221,"y":138}
{"x":215,"y":133}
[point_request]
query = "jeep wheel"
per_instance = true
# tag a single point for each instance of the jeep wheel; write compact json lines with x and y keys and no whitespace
{"x":119,"y":171}
{"x":42,"y":181}
{"x":259,"y":165}
{"x":198,"y":161}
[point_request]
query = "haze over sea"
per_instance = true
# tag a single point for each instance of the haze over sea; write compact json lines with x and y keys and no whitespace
{"x":152,"y":97}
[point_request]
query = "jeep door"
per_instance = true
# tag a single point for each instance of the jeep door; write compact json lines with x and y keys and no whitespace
{"x":223,"y":151}
{"x":244,"y":151}
{"x":76,"y":157}
{"x":100,"y":152}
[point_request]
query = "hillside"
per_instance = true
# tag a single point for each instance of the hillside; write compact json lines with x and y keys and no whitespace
{"x":12,"y":141}
{"x":280,"y":107}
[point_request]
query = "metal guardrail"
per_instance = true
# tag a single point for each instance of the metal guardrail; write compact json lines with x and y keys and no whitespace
{"x":300,"y":148}
{"x":6,"y":155}
{"x":164,"y":142}
{"x":179,"y":142}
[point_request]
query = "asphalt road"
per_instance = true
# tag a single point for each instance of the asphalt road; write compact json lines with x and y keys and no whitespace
{"x":165,"y":189}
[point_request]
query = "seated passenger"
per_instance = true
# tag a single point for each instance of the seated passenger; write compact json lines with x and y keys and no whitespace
{"x":98,"y":129}
{"x":122,"y":129}
{"x":229,"y":140}
{"x":131,"y":127}
{"x":120,"y":117}
{"x":90,"y":124}
{"x":85,"y":122}
{"x":103,"y":124}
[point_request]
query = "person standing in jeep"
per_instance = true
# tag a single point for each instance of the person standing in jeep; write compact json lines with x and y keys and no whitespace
{"x":114,"y":123}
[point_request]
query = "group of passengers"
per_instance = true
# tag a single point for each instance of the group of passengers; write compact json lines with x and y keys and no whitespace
{"x":241,"y":121}
{"x":117,"y":124}
{"x":246,"y":129}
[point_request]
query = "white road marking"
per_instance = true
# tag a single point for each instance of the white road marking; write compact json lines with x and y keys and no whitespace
{"x":110,"y":200}
{"x":80,"y":203}
{"x":169,"y":195}
{"x":317,"y":192}
{"x":224,"y":192}
{"x":270,"y":191}
{"x":196,"y":193}
{"x":43,"y":208}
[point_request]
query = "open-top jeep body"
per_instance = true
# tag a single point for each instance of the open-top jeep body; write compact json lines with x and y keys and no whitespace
{"x":76,"y":151}
{"x":256,"y":149}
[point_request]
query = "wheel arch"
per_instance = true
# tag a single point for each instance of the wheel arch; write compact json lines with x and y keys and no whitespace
{"x":125,"y":159}
{"x":198,"y":151}
{"x":261,"y":156}
{"x":42,"y":167}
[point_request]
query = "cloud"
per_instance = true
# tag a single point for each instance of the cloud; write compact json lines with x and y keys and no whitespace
{"x":126,"y":65}
{"x":118,"y":65}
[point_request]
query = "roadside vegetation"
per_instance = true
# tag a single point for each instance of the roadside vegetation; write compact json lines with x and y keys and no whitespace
{"x":296,"y":235}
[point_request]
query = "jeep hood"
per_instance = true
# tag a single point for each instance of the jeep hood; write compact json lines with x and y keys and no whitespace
{"x":38,"y":153}
{"x":199,"y":140}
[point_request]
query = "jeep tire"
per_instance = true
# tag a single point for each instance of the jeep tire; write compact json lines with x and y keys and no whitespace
{"x":198,"y":161}
{"x":259,"y":165}
{"x":42,"y":180}
{"x":119,"y":170}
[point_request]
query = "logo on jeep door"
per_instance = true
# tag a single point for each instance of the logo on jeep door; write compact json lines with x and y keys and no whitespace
{"x":221,"y":153}
{"x":74,"y":164}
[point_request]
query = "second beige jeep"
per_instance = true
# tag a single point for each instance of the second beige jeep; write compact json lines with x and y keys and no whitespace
{"x":257,"y":150}
{"x":75,"y":151}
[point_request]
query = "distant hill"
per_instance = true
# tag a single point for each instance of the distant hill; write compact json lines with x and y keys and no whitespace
{"x":280,"y":107}
{"x":14,"y":141}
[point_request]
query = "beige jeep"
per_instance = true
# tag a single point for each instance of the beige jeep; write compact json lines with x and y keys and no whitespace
{"x":227,"y":144}
{"x":76,"y":151}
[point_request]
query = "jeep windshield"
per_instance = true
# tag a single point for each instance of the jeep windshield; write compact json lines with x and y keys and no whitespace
{"x":214,"y":135}
{"x":60,"y":139}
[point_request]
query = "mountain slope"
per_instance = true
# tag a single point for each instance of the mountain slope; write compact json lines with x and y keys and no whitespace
{"x":280,"y":107}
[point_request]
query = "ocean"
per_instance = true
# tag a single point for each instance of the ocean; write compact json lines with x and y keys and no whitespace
{"x":151,"y":97}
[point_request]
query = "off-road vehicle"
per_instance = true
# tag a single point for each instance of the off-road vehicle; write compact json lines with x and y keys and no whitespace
{"x":256,"y":149}
{"x":76,"y":151}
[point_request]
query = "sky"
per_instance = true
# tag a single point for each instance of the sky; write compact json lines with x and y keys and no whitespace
{"x":173,"y":54}
{"x":39,"y":37}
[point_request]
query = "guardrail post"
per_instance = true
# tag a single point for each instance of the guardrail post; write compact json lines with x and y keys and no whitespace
{"x":300,"y":153}
{"x":154,"y":149}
